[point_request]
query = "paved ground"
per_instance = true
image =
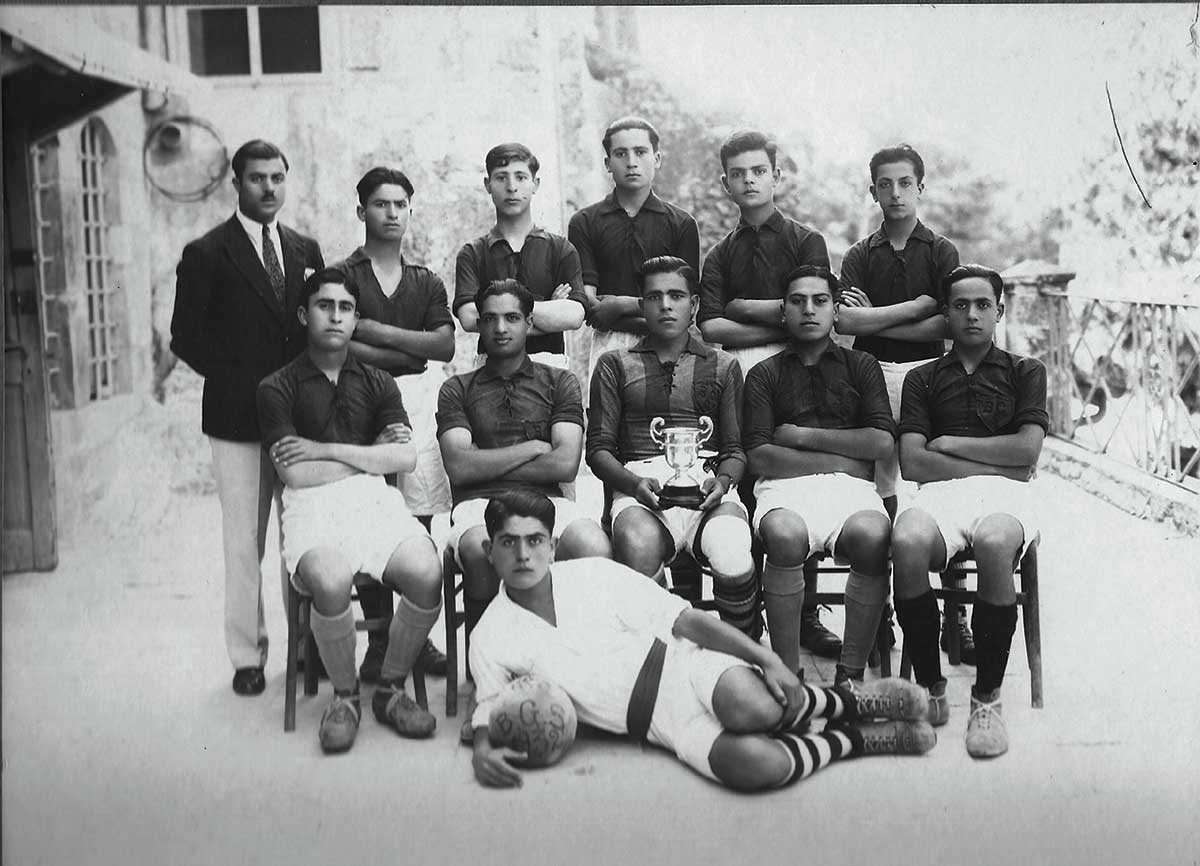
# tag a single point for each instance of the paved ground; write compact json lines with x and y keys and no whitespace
{"x":122,"y":741}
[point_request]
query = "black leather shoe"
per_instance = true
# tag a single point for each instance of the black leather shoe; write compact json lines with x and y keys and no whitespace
{"x":372,"y":664}
{"x":433,"y":660}
{"x":817,"y":639}
{"x":966,"y":640}
{"x":249,"y":681}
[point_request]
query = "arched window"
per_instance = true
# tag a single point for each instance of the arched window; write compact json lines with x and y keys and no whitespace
{"x":99,"y":212}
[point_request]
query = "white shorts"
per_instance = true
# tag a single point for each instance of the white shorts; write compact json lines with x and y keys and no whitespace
{"x":958,"y":506}
{"x":681,"y":523}
{"x":684,"y":720}
{"x":469,"y":514}
{"x":887,"y":470}
{"x":748,"y":356}
{"x":607,"y":341}
{"x":360,"y":517}
{"x":824,"y":502}
{"x":426,"y":489}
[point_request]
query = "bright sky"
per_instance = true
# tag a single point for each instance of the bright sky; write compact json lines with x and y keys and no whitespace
{"x":1020,"y":88}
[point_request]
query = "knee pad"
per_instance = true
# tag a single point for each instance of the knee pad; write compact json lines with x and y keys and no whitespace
{"x":725,"y":543}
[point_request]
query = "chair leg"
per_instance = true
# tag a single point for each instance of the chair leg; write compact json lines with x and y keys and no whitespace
{"x":311,"y":652}
{"x":450,"y":615}
{"x":883,"y":650}
{"x":418,"y":678}
{"x":293,"y":649}
{"x":1031,"y":619}
{"x":905,"y":664}
{"x":950,"y":625}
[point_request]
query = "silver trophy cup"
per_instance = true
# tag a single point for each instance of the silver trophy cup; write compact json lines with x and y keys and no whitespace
{"x":681,"y":446}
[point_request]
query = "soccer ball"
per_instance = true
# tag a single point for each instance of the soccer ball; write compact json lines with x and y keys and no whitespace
{"x":534,"y":716}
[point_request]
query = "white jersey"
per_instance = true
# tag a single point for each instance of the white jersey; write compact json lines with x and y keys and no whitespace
{"x":608,"y":616}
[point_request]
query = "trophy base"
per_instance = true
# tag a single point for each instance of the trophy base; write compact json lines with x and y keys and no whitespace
{"x":680,"y":497}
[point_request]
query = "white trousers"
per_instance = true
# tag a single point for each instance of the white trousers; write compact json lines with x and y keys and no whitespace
{"x":246,"y":484}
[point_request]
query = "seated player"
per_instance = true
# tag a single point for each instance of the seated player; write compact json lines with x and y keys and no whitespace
{"x":673,"y":375}
{"x":515,"y":248}
{"x":971,"y":429}
{"x":510,"y":424}
{"x":816,"y":416}
{"x":332,"y":427}
{"x":638,"y":660}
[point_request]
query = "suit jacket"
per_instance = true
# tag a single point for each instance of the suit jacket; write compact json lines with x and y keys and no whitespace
{"x":228,"y":326}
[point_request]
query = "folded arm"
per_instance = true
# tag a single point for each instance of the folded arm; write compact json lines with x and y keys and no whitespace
{"x":467,"y":464}
{"x":734,"y":335}
{"x":923,"y":331}
{"x":862,"y":320}
{"x":1013,"y":449}
{"x":560,"y":463}
{"x":435,"y":345}
{"x":919,"y":463}
{"x":861,"y":443}
{"x":754,"y":311}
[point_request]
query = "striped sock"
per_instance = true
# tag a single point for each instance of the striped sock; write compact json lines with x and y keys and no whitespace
{"x":736,"y":600}
{"x":825,"y":703}
{"x":808,"y":753}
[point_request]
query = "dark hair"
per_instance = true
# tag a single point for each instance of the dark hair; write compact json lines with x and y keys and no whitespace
{"x":631,"y":122}
{"x":899,"y":153}
{"x":377,"y":177}
{"x":966,"y":272}
{"x":517,"y":503}
{"x":503,"y":154}
{"x":819,"y":271}
{"x":667,"y":265}
{"x":744,"y":142}
{"x":507,"y":287}
{"x":255,"y":148}
{"x":323,"y":277}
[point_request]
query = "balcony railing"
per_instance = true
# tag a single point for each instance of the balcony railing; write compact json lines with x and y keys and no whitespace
{"x":1124,"y":378}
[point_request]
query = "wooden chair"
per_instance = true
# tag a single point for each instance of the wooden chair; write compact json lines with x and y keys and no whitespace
{"x":1027,"y":600}
{"x":299,"y":630}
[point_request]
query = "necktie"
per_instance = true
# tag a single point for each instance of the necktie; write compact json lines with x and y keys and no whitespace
{"x":271,"y":263}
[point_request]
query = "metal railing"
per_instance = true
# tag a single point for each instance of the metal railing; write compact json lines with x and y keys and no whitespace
{"x":1124,"y":379}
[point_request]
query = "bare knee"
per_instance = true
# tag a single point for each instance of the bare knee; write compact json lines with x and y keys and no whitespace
{"x":639,"y":540}
{"x":785,"y":536}
{"x":998,"y":536}
{"x":748,"y":762}
{"x":742,"y":703}
{"x":326,"y":576}
{"x":865,"y":540}
{"x":415,"y":569}
{"x":915,"y":542}
{"x":583,"y":538}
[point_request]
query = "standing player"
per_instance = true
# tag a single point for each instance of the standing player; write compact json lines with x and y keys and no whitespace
{"x":638,"y":660}
{"x":329,"y":425}
{"x":741,"y":290}
{"x":890,"y":282}
{"x":615,"y":235}
{"x":971,"y":430}
{"x":405,"y":329}
{"x":234,"y":323}
{"x":673,"y":375}
{"x":816,"y":416}
{"x":516,"y":249}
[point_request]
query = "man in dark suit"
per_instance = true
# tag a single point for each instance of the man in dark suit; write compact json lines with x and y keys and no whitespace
{"x":237,"y":290}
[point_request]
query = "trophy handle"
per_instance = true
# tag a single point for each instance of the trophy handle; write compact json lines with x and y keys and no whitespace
{"x":706,"y":429}
{"x":656,"y":431}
